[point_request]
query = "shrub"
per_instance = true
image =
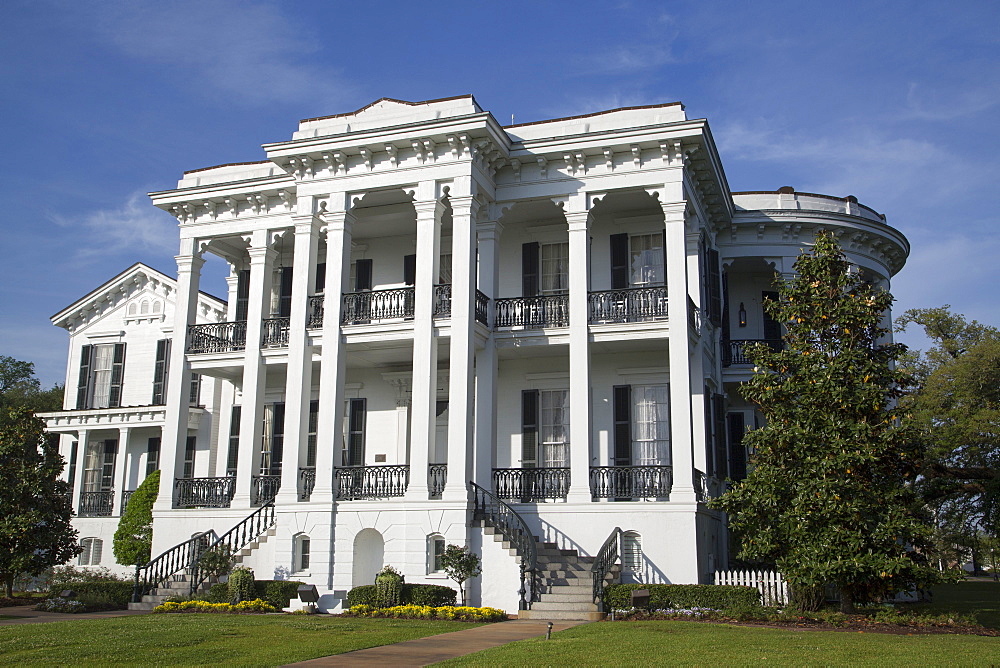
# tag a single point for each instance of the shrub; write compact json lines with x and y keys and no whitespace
{"x":134,"y":536}
{"x":362,"y":595}
{"x":217,"y":593}
{"x":59,"y":604}
{"x":459,"y":613}
{"x":241,"y":585}
{"x":278,"y":593}
{"x":254,"y":606}
{"x":807,"y":598}
{"x":217,"y":561}
{"x":389,"y":587}
{"x":68,"y":577}
{"x":416,"y":594}
{"x":114,"y":593}
{"x":662,"y":597}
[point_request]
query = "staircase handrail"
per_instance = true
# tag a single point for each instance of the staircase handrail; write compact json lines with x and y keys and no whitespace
{"x":156,"y":571}
{"x":607,"y":557}
{"x":241,"y":535}
{"x":514,"y":529}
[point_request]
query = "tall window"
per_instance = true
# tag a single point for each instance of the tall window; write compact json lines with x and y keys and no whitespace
{"x":354,"y":433}
{"x":311,"y":437}
{"x":435,"y":553}
{"x":301,"y":553}
{"x":152,"y":454}
{"x":72,"y":466}
{"x":91,"y":555}
{"x":99,"y":466}
{"x":190,"y":448}
{"x":194,"y":392}
{"x":274,"y":439}
{"x":650,"y":425}
{"x":632,"y":551}
{"x":545,"y":428}
{"x":234,"y":441}
{"x":102,"y":369}
{"x":160,"y":372}
{"x":646,"y":259}
{"x":555,"y":268}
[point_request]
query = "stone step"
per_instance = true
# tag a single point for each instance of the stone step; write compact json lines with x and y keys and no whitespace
{"x":556,"y":606}
{"x":142,"y":605}
{"x":560,"y":614}
{"x":567,"y":582}
{"x":556,"y":552}
{"x":567,"y":597}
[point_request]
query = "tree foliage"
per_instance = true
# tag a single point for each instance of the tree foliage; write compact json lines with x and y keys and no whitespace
{"x":35,"y":530}
{"x":460,"y":564}
{"x":133,"y":540}
{"x":20,"y":388}
{"x":829,"y":498}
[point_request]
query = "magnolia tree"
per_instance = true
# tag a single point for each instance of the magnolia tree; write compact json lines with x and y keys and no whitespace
{"x":829,"y":497}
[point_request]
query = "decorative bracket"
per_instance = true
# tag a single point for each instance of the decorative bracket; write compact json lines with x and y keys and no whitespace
{"x":516,"y":166}
{"x":609,"y":159}
{"x":636,"y":156}
{"x":419,"y":148}
{"x":543,"y":167}
{"x":393,"y":157}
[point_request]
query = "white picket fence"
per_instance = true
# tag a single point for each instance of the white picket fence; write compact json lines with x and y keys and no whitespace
{"x":772,"y":587}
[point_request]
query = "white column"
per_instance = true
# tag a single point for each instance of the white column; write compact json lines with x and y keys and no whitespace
{"x":121,"y":467}
{"x":423,"y":421}
{"x":461,"y":374}
{"x":175,"y":423}
{"x":81,"y":457}
{"x":486,"y":359}
{"x":254,"y":372}
{"x":703,"y":451}
{"x":579,"y":357}
{"x":298,"y":383}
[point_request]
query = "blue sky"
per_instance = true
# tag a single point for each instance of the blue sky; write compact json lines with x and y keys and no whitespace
{"x":897,"y":103}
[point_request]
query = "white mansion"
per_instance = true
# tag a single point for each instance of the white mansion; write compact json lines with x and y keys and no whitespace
{"x":524,"y":339}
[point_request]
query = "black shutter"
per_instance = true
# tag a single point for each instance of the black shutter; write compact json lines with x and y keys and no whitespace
{"x":320,"y":277}
{"x":108,"y":465}
{"x":190,"y":447}
{"x":709,"y":457}
{"x":623,"y":425}
{"x":234,"y":441}
{"x":664,"y":233}
{"x":363,"y":275}
{"x":529,"y":429}
{"x":725,"y":306}
{"x":529,"y":269}
{"x":619,"y":261}
{"x":311,"y":438}
{"x":285,"y":293}
{"x":152,"y":454}
{"x":242,"y":294}
{"x":714,"y":288}
{"x":117,"y":376}
{"x":737,"y":453}
{"x":719,"y":429}
{"x":72,"y":466}
{"x":409,"y":269}
{"x":356,"y":433}
{"x":83,"y":386}
{"x":772,"y":328}
{"x":160,"y":372}
{"x":277,"y":437}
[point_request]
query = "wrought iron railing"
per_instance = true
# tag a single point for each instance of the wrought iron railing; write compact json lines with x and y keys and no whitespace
{"x":264,"y":488}
{"x":701,"y":492}
{"x":378,"y":305}
{"x":532,"y":312}
{"x":482,"y":308}
{"x":96,"y":504}
{"x":307,"y":482}
{"x":217,"y":337}
{"x":204,"y":492}
{"x":604,"y":563}
{"x":526,"y":485}
{"x":314,"y":312}
{"x":437,"y":476}
{"x":153,"y":574}
{"x":631,"y":482}
{"x":126,"y":495}
{"x":735,"y":352}
{"x":442,"y":299}
{"x":275,"y":333}
{"x":628,"y":305}
{"x":234,"y":540}
{"x":488,"y":508}
{"x":355,"y":483}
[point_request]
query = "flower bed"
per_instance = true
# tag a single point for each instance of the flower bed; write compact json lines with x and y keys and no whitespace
{"x":59,"y":604}
{"x":459,"y":613}
{"x":257,"y":606}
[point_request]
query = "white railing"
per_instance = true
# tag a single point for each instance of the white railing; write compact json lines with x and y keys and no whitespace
{"x":772,"y":587}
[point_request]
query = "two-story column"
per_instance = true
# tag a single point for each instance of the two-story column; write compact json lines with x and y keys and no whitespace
{"x":262,"y":258}
{"x":579,"y":356}
{"x":175,"y":425}
{"x":333,"y":362}
{"x":121,"y":468}
{"x":461,"y":375}
{"x":703,"y":451}
{"x":83,"y":436}
{"x":488,"y":234}
{"x":298,"y":384}
{"x":423,"y":421}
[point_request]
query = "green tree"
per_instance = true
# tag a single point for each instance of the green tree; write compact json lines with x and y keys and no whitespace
{"x":460,"y":564}
{"x":134,"y":537}
{"x":828,"y":498}
{"x":19,"y":387}
{"x":35,"y":530}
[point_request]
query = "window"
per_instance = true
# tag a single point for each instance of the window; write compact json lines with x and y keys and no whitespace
{"x":99,"y":466}
{"x":72,"y":466}
{"x":301,"y":553}
{"x":101,"y":372}
{"x":444,"y":269}
{"x":91,"y":555}
{"x":194,"y":392}
{"x":354,"y":436}
{"x":311,"y":438}
{"x":242,"y":294}
{"x":160,"y":372}
{"x":646,"y":261}
{"x":632,"y":551}
{"x":281,"y":293}
{"x":152,"y":454}
{"x":435,"y":553}
{"x":642,"y":425}
{"x":544,"y":269}
{"x":545,"y":428}
{"x":190,"y":448}
{"x":274,"y":439}
{"x":234,"y":441}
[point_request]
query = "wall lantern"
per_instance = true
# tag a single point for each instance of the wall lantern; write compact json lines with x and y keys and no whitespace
{"x":743,"y":315}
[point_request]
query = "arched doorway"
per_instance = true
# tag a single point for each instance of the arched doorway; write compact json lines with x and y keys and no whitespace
{"x":369,"y":551}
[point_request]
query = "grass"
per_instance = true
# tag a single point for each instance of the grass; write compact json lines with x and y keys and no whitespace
{"x":693,"y":643}
{"x":11,"y":616}
{"x":189,"y":639}
{"x":978,"y":598}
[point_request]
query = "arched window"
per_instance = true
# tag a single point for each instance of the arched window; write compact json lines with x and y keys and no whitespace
{"x":91,"y":555}
{"x":300,"y":553}
{"x":131,"y":308}
{"x":632,"y":551}
{"x":144,"y":307}
{"x":435,"y":551}
{"x":156,"y":306}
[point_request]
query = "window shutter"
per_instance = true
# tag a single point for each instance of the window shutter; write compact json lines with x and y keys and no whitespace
{"x":719,"y":427}
{"x":74,"y":448}
{"x":663,"y":245}
{"x":409,"y":269}
{"x":117,"y":376}
{"x":714,"y":288}
{"x":737,"y":453}
{"x":242,"y":294}
{"x":285,"y":293}
{"x":529,"y":428}
{"x":619,"y":261}
{"x":152,"y":454}
{"x":83,"y":386}
{"x":363,"y":275}
{"x":529,"y":269}
{"x":311,"y":438}
{"x":772,"y":328}
{"x":277,"y":438}
{"x":108,"y":465}
{"x":86,"y":544}
{"x":320,"y":277}
{"x":356,"y":433}
{"x":234,"y":441}
{"x":189,"y":453}
{"x":623,"y":425}
{"x":709,"y":456}
{"x":95,"y":553}
{"x":160,"y":372}
{"x":725,"y":306}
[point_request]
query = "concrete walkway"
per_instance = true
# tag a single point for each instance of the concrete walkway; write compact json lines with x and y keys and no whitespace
{"x":26,"y":614}
{"x":425,"y":651}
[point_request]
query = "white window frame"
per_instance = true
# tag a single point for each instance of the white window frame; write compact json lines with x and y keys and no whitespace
{"x":553,"y":268}
{"x":104,"y":353}
{"x":645,"y":256}
{"x":632,"y":552}
{"x":87,"y":557}
{"x":651,"y":437}
{"x":436,"y":545}
{"x":553,"y":436}
{"x":301,"y":553}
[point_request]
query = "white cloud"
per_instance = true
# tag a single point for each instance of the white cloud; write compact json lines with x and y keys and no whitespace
{"x":946,"y":104}
{"x":134,"y":227}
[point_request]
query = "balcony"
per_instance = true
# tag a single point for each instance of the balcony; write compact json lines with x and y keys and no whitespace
{"x":482,"y":308}
{"x":532,"y":312}
{"x":126,"y":495}
{"x":624,"y":483}
{"x":734,"y":352}
{"x":437,"y":476}
{"x":96,"y":504}
{"x":628,"y":305}
{"x":307,"y":482}
{"x":355,"y":483}
{"x":264,"y":489}
{"x":314,"y":312}
{"x":218,"y":337}
{"x":378,"y":305}
{"x":204,"y":492}
{"x":442,"y":300}
{"x":275,"y":333}
{"x":530,"y":485}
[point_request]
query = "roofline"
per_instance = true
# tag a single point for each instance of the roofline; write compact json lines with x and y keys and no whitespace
{"x":227,"y":164}
{"x":392,"y":99}
{"x":788,"y":190}
{"x":596,"y":113}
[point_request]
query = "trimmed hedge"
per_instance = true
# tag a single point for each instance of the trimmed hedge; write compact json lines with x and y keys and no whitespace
{"x":278,"y":593}
{"x":662,"y":597}
{"x":434,"y":596}
{"x":117,"y":593}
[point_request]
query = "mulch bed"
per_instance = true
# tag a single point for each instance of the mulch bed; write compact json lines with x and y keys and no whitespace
{"x":25,"y":599}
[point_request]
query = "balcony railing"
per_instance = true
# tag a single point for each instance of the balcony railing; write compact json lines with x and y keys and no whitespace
{"x":442,"y":300}
{"x":532,"y":312}
{"x":734,"y":352}
{"x":126,"y":495}
{"x":307,"y":481}
{"x":631,"y":482}
{"x":378,"y":305}
{"x":275,"y":333}
{"x":314,"y":314}
{"x":264,"y":489}
{"x":437,"y":476}
{"x":372,"y":482}
{"x":217,"y":337}
{"x":628,"y":305}
{"x":527,"y":485}
{"x":482,"y":308}
{"x":204,"y":492}
{"x":96,"y":504}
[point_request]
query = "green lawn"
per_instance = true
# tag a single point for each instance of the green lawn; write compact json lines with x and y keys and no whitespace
{"x":189,"y":639}
{"x":979,"y":598}
{"x":700,"y":644}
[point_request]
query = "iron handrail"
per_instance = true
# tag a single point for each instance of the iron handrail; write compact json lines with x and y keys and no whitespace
{"x":497,"y":514}
{"x":155,"y":572}
{"x":604,"y":562}
{"x":241,"y":535}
